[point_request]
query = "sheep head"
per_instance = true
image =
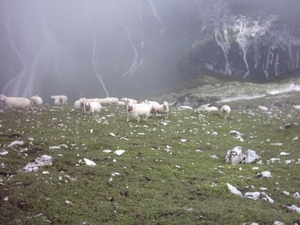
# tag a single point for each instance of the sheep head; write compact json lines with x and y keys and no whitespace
{"x":166,"y":105}
{"x":3,"y":98}
{"x":129,"y":106}
{"x":153,"y":108}
{"x":87,"y":105}
{"x":34,"y":101}
{"x":81,"y":102}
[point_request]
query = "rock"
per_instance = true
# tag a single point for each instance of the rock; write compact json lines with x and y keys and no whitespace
{"x":89,"y":162}
{"x":250,"y":156}
{"x":235,"y":155}
{"x":44,"y":160}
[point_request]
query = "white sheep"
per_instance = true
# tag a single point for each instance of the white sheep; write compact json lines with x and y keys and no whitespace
{"x":225,"y":110}
{"x":121,"y":103}
{"x":138,"y":110}
{"x":16,"y":102}
{"x":91,"y":107}
{"x":108,"y":100}
{"x":296,"y":107}
{"x":262,"y":108}
{"x":153,"y":105}
{"x":185,"y":107}
{"x":59,"y":99}
{"x":82,"y":100}
{"x":211,"y":109}
{"x":127,"y":100}
{"x":77,"y":105}
{"x":151,"y":102}
{"x":162,"y":109}
{"x":36,"y":101}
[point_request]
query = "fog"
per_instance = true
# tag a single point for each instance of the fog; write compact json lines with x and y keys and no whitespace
{"x":97,"y":48}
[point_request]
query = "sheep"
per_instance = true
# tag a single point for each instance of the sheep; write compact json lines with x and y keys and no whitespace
{"x":92,"y":107}
{"x":138,"y":110}
{"x":121,"y":103}
{"x":127,"y":100}
{"x":59,"y":99}
{"x":36,"y":101}
{"x":211,"y":109}
{"x":296,"y":108}
{"x":77,"y":105}
{"x":185,"y":107}
{"x":262,"y":108}
{"x":82,"y":100}
{"x":153,"y":105}
{"x":162,"y":109}
{"x":16,"y":102}
{"x":108,"y":100}
{"x":225,"y":110}
{"x":151,"y":102}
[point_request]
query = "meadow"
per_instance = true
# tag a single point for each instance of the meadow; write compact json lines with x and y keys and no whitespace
{"x":172,"y":171}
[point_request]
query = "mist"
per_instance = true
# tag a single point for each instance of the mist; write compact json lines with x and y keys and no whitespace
{"x":124,"y":48}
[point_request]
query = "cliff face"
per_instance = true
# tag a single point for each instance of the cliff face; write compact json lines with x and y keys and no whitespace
{"x":118,"y":48}
{"x":254,"y":39}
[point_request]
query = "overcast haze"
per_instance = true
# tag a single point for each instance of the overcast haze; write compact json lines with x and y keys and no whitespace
{"x":99,"y":48}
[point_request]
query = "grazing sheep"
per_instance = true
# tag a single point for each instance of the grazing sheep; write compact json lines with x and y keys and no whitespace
{"x":16,"y":102}
{"x":162,"y":109}
{"x":127,"y":100}
{"x":77,"y":105}
{"x":211,"y":109}
{"x":108,"y":100}
{"x":185,"y":107}
{"x":138,"y":110}
{"x":82,"y":100}
{"x":153,"y":105}
{"x":225,"y":110}
{"x":91,"y":107}
{"x":59,"y":99}
{"x":36,"y":101}
{"x":121,"y":103}
{"x":262,"y":108}
{"x":151,"y":102}
{"x":296,"y":108}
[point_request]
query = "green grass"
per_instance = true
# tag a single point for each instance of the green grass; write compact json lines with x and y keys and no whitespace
{"x":160,"y":179}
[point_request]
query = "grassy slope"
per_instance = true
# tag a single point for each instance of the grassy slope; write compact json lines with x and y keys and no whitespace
{"x":160,"y":178}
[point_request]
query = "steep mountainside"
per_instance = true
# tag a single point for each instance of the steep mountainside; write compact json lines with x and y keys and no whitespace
{"x":255,"y":39}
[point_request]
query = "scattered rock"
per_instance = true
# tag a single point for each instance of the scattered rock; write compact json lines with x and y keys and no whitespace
{"x":294,"y":208}
{"x":250,"y":156}
{"x":119,"y":152}
{"x":234,"y":190}
{"x":44,"y":160}
{"x":252,"y":195}
{"x":15,"y":143}
{"x":264,"y":174}
{"x":235,"y":155}
{"x":89,"y":162}
{"x":288,"y":125}
{"x":107,"y":151}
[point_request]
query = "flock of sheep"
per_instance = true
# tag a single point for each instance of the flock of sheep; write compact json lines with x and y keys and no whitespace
{"x":93,"y":106}
{"x":134,"y":109}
